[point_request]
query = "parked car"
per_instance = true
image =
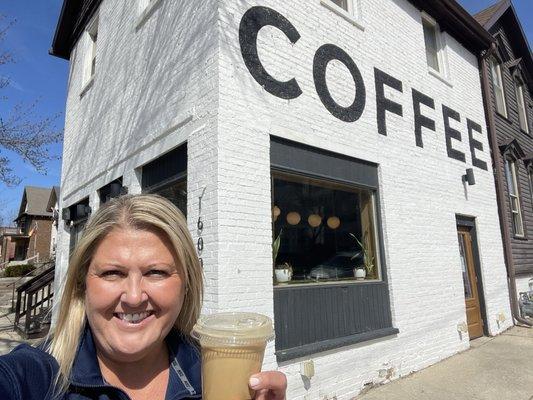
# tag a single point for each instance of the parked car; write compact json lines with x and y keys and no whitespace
{"x":339,"y":266}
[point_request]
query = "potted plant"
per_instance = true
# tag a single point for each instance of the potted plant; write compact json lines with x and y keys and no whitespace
{"x":282,"y":272}
{"x":367,"y":268}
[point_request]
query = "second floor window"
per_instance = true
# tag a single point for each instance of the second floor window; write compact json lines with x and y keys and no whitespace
{"x":434,"y":45}
{"x":350,"y":9}
{"x":342,"y":4}
{"x":521,"y":104}
{"x":514,"y":197}
{"x":90,"y":63}
{"x":497,"y":84}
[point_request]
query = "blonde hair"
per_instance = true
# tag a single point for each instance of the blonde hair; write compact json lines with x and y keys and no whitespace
{"x":145,"y":212}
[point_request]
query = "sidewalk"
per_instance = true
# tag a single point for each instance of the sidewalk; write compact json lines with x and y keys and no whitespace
{"x":9,"y":339}
{"x":499,"y":368}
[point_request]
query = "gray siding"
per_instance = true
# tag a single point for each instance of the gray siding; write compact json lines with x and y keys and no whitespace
{"x":506,"y":130}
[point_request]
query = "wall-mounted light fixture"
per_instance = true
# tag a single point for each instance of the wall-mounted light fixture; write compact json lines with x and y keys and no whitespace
{"x":65,"y":215}
{"x":82,"y":211}
{"x":469,"y":177}
{"x":116,"y":189}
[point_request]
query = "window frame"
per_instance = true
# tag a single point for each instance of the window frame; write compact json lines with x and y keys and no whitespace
{"x":529,"y":169}
{"x":91,"y":52}
{"x":302,"y":337}
{"x":169,"y":169}
{"x":146,"y":9}
{"x":497,"y":74}
{"x":281,"y":173}
{"x":441,"y":53}
{"x":523,"y":121}
{"x":513,"y":179}
{"x":352,"y":13}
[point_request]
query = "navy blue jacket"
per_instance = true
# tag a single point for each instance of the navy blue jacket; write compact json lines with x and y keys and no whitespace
{"x":28,"y":373}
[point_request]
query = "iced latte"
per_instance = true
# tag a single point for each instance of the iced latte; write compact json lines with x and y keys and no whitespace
{"x":233,"y":345}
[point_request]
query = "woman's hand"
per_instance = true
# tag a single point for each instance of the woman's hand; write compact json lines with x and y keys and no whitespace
{"x":269,"y":385}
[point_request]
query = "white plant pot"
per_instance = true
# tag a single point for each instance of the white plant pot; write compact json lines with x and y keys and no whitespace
{"x":283,"y":275}
{"x":360,"y":274}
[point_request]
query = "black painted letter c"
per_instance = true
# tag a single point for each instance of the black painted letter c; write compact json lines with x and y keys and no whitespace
{"x":252,"y":21}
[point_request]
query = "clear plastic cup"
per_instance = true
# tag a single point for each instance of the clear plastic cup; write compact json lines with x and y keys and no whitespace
{"x":233,"y":346}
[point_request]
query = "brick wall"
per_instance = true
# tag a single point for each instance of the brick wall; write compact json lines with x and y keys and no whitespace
{"x":155,"y":87}
{"x":421,"y":188}
{"x":180,"y":77}
{"x":40,"y":240}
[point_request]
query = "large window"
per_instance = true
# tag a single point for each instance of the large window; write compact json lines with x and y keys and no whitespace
{"x":167,"y":176}
{"x":325,"y":229}
{"x":521,"y":104}
{"x":497,"y":84}
{"x":325,"y":218}
{"x":514,"y":197}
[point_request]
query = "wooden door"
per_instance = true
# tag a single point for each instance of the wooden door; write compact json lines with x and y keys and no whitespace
{"x":473,"y":309}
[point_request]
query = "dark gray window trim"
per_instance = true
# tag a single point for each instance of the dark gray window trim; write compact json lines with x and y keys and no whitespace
{"x":299,"y":158}
{"x":163,"y":184}
{"x":306,"y":350}
{"x":158,"y":173}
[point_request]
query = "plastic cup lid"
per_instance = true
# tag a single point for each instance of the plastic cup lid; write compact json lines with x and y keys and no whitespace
{"x":233,"y":329}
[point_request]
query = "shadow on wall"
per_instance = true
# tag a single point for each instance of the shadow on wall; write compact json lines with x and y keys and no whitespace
{"x":136,"y":94}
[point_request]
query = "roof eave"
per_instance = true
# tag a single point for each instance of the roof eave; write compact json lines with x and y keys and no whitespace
{"x":458,"y":23}
{"x":497,"y":14}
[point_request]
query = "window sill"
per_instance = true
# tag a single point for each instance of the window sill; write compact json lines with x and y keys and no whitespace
{"x":314,"y":284}
{"x":87,"y":86}
{"x":146,"y":14}
{"x":523,"y":238}
{"x":525,"y":132}
{"x":504,"y":117}
{"x":306,"y":350}
{"x":344,"y":14}
{"x":440,"y":77}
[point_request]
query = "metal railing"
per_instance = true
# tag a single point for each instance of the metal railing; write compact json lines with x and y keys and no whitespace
{"x":32,"y":272}
{"x":34,"y":304}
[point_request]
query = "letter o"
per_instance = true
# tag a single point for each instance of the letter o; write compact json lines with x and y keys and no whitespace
{"x":323,"y":56}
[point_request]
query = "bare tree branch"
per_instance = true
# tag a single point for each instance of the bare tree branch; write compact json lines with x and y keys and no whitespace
{"x":21,"y":131}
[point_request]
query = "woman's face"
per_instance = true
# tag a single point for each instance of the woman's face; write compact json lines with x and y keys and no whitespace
{"x":134,"y":293}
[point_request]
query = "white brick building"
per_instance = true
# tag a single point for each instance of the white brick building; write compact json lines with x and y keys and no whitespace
{"x":255,"y":129}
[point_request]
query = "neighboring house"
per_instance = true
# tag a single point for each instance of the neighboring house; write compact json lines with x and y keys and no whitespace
{"x":35,"y":222}
{"x":7,"y":244}
{"x":313,"y":120}
{"x":510,"y":73}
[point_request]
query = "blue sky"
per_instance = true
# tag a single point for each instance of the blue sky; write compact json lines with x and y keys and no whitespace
{"x":34,"y":76}
{"x":37,"y":75}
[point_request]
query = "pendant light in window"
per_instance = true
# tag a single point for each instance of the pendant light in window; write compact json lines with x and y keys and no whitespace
{"x":314,"y":220}
{"x":276,"y":213}
{"x":293,"y":218}
{"x":333,"y":222}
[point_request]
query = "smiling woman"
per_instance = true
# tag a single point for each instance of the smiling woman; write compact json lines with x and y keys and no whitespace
{"x":132,"y":295}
